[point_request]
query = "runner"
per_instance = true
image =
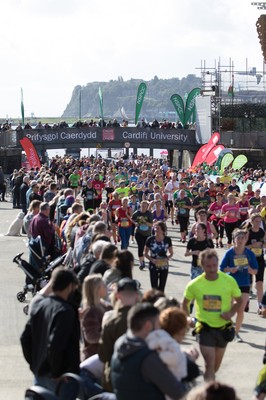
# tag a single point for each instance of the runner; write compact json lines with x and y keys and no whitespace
{"x":159,"y":250}
{"x":183,"y":206}
{"x":239,"y":262}
{"x":217,"y":298}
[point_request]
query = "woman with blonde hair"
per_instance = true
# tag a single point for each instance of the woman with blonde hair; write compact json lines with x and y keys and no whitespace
{"x":93,"y":308}
{"x":230,"y":215}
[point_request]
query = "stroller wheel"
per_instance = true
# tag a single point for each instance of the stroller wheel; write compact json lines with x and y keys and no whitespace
{"x":21,"y":297}
{"x":26,"y":309}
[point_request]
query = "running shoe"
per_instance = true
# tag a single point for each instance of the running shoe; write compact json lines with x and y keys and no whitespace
{"x":238,"y":339}
{"x":142,"y":266}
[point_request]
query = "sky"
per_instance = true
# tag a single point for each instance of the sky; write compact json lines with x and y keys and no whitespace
{"x":50,"y":46}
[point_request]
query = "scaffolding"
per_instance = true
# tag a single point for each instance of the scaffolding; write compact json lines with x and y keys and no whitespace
{"x":228,"y":86}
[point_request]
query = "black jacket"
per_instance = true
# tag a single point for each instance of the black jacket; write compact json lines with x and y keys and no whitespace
{"x":23,"y":190}
{"x":50,"y":341}
{"x":138,"y":373}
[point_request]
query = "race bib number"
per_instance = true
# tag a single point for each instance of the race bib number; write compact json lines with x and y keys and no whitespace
{"x":162,"y":263}
{"x":212,"y":303}
{"x":143,"y":227}
{"x":124,"y":223}
{"x":257,"y":251}
{"x":241,"y":262}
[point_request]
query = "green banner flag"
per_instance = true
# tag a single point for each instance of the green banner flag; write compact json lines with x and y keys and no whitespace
{"x":239,"y":161}
{"x":226,"y":160}
{"x":178,"y":104}
{"x":22,"y":108}
{"x":101,"y":101}
{"x":140,"y":97}
{"x":190,"y":104}
{"x":221,"y":155}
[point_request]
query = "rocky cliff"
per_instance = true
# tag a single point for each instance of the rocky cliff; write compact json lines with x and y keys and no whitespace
{"x":119,"y":98}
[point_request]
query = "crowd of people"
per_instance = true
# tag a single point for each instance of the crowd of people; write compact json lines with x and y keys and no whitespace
{"x":93,"y":123}
{"x":96,"y":211}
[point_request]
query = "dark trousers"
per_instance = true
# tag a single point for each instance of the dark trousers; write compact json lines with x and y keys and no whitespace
{"x":219,"y":226}
{"x":183,"y":221}
{"x":229,"y":227}
{"x":16,"y":197}
{"x":3,"y":190}
{"x":158,"y":278}
{"x":141,"y":241}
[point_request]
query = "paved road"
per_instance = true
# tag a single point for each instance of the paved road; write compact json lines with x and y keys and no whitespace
{"x":241,"y":363}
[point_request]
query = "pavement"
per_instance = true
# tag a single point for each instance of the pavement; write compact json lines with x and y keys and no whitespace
{"x":241,"y":363}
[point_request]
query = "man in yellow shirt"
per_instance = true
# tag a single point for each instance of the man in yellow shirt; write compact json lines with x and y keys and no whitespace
{"x":123,"y":190}
{"x":217,"y":298}
{"x":225,"y":179}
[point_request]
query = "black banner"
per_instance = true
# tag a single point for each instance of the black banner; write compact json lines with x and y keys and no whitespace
{"x":134,"y":136}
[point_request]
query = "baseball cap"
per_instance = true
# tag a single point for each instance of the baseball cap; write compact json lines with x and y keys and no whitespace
{"x":127,"y":284}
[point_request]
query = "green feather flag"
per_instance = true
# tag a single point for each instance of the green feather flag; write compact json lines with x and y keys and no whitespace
{"x":190,"y":104}
{"x":239,"y":161}
{"x":140,"y":97}
{"x":226,"y":160}
{"x":178,"y":104}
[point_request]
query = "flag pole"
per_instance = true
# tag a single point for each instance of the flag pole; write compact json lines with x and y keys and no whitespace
{"x":22,"y":107}
{"x":80,"y":103}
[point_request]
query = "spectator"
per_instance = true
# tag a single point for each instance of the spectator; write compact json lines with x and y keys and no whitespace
{"x":213,"y":391}
{"x":2,"y":184}
{"x":50,"y":340}
{"x":23,"y":190}
{"x":126,"y":295}
{"x":137,"y":372}
{"x":94,"y":292}
{"x":121,"y":268}
{"x":41,"y":226}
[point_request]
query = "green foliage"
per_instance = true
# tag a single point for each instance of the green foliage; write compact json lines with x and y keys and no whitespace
{"x":120,"y":93}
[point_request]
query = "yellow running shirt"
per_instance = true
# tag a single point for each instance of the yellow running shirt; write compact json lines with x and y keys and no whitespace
{"x":212,"y":297}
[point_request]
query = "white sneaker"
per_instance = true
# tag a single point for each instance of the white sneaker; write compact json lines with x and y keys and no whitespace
{"x":132,"y":241}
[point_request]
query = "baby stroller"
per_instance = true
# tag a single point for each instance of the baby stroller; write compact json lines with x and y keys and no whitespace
{"x":38,"y":271}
